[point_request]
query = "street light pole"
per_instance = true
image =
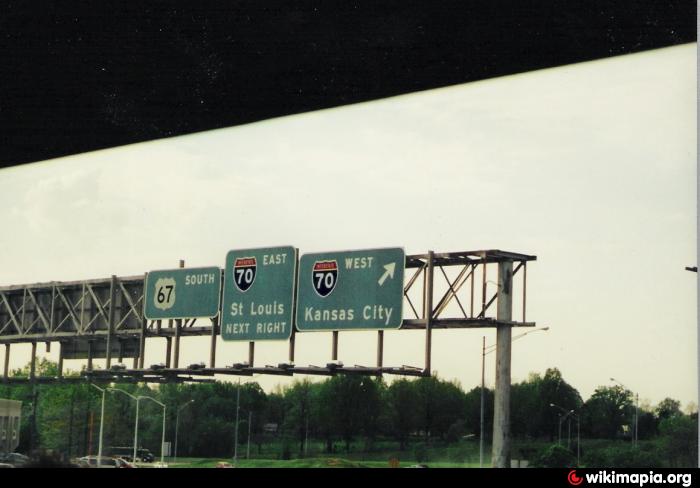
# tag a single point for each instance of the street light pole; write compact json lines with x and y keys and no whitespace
{"x":177,"y":424}
{"x":162,"y":443}
{"x":578,"y":430}
{"x":136,"y":427}
{"x":561,"y":420}
{"x":102,"y":424}
{"x":484,"y":352}
{"x":136,"y":430}
{"x":559,"y":430}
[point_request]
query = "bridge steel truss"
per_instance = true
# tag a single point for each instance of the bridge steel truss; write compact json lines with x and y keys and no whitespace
{"x":94,"y":319}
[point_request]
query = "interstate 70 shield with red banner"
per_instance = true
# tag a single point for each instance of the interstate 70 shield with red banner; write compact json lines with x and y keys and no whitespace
{"x":244,"y":271}
{"x":324,"y":276}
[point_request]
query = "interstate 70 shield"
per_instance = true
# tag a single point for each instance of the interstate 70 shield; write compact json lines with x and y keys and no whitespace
{"x":324,"y":276}
{"x":244,"y":271}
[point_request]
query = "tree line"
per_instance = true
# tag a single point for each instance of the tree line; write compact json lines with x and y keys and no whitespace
{"x":342,"y":413}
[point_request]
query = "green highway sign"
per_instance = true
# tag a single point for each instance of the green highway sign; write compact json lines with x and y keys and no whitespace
{"x":258,"y":300}
{"x":351,"y":290}
{"x":182,"y":293}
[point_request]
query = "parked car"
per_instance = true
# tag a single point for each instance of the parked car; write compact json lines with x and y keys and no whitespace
{"x":127,"y":452}
{"x":104,"y":462}
{"x":123,"y":463}
{"x":14,"y":458}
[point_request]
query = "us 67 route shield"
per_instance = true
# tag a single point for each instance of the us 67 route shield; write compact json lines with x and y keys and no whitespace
{"x":182,"y":293}
{"x":357,"y":290}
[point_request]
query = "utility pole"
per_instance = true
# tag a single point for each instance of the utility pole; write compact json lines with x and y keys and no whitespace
{"x":501,"y":414}
{"x":481,"y":430}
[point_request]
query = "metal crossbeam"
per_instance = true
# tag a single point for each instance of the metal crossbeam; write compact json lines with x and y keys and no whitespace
{"x":23,"y":318}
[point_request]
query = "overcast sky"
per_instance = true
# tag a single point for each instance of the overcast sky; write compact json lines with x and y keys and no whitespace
{"x":590,"y":167}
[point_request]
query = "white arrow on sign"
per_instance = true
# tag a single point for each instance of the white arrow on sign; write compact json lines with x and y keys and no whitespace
{"x":389,"y":273}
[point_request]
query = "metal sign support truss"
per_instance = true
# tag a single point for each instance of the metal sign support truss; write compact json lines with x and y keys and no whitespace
{"x":104,"y":319}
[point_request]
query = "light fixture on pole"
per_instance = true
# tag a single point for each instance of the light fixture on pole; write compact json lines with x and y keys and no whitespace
{"x":177,"y":423}
{"x":636,"y":412}
{"x":162,"y":443}
{"x":102,"y":424}
{"x":136,"y":423}
{"x":561,"y":419}
{"x":484,"y":351}
{"x":578,"y":430}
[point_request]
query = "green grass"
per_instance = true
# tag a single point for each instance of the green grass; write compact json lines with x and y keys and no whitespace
{"x":320,"y":462}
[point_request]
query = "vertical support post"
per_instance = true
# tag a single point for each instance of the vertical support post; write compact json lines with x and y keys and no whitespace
{"x":176,"y":354}
{"x":24,"y":309}
{"x":142,"y":341}
{"x":110,"y":322}
{"x":428,"y":311}
{"x":501,"y":414}
{"x":168,"y":350}
{"x":60,"y":359}
{"x":380,"y":348}
{"x":82,"y":309}
{"x":53,"y":309}
{"x":121,"y":350}
{"x":212,"y":351}
{"x":6,"y":370}
{"x":32,"y":370}
{"x":483,"y":289}
{"x":292,"y":336}
{"x":335,"y":346}
{"x":178,"y":326}
{"x":524,"y":288}
{"x":89,"y":358}
{"x":292,"y":339}
{"x":251,"y":353}
{"x":471,"y":303}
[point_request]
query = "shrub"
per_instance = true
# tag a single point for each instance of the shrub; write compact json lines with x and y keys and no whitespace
{"x":624,"y":457}
{"x":555,"y":456}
